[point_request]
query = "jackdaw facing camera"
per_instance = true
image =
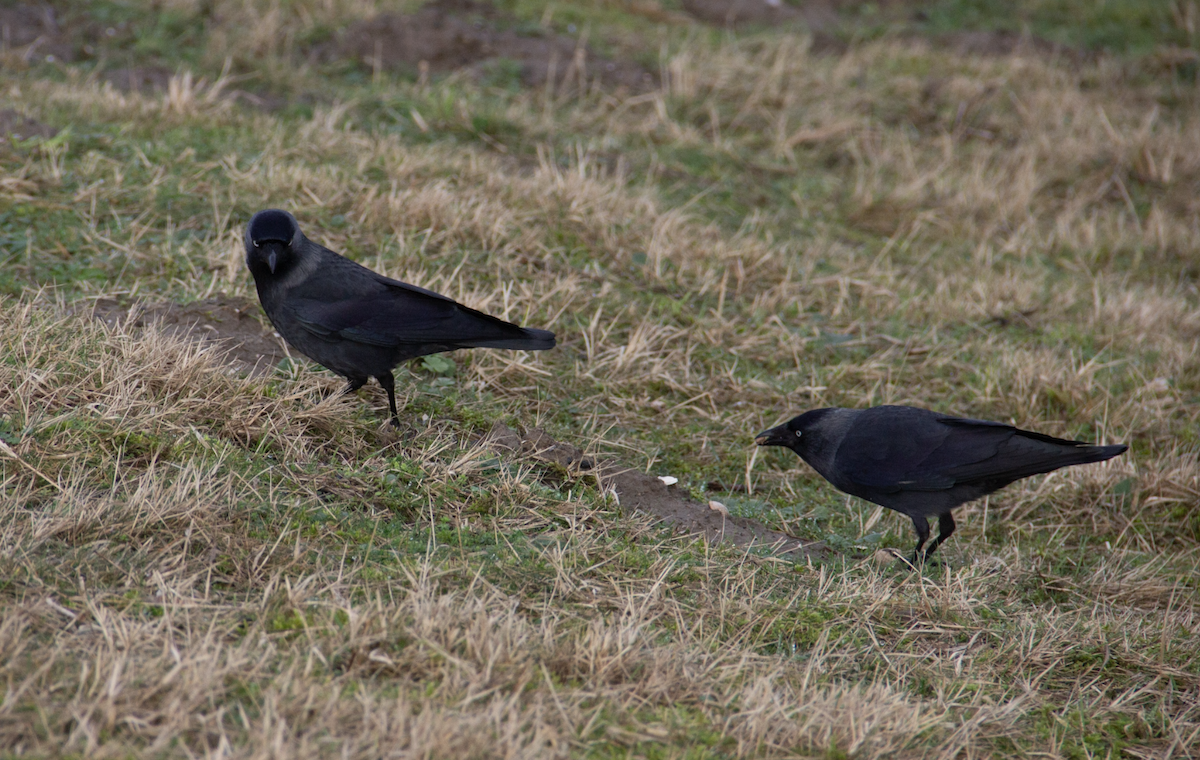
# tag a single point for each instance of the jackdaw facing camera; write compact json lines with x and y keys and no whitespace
{"x":921,"y":463}
{"x":356,"y":322}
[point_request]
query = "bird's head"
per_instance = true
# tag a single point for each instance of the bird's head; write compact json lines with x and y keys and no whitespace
{"x":273,"y":240}
{"x":800,"y":434}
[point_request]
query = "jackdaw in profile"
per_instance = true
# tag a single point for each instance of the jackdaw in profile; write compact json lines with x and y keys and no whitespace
{"x":355,"y":322}
{"x":921,"y":463}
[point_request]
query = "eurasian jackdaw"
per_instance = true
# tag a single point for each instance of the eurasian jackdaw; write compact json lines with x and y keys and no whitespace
{"x":921,"y":463}
{"x":355,"y":322}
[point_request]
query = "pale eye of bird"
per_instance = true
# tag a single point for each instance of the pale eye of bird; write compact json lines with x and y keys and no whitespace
{"x":798,"y":433}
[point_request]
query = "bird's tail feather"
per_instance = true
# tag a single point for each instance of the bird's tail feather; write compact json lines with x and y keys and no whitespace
{"x":1023,"y":456}
{"x":1101,"y":453}
{"x":531,"y":339}
{"x":1069,"y":458}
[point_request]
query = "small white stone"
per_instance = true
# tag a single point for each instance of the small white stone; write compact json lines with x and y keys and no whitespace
{"x":668,"y":480}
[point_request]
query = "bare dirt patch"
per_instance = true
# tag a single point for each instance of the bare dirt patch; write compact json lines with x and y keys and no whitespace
{"x":448,"y":35}
{"x":824,"y":18}
{"x":227,"y":321}
{"x":734,"y":13}
{"x":1004,"y":43}
{"x":639,"y":492}
{"x":33,"y":32}
{"x":15,"y":126}
{"x":138,"y":78}
{"x":57,"y":31}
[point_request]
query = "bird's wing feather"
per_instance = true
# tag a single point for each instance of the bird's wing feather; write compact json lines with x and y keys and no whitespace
{"x":378,"y":321}
{"x":396,"y":315}
{"x":1020,"y":455}
{"x":923,"y":453}
{"x":403,"y":287}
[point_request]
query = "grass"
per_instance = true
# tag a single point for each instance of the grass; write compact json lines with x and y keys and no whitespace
{"x":196,"y":562}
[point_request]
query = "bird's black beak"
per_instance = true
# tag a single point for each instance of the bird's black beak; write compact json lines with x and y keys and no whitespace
{"x":266,"y":252}
{"x":776,"y":436}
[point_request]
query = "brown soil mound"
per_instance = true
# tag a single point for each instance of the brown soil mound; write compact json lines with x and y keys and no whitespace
{"x":638,"y":492}
{"x":448,"y":35}
{"x":824,"y":17}
{"x":226,"y":321}
{"x":33,"y":30}
{"x":138,"y":78}
{"x":1003,"y":43}
{"x":734,"y":13}
{"x":14,"y":126}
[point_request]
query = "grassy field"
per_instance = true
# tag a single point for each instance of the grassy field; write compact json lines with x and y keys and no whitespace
{"x":986,"y":209}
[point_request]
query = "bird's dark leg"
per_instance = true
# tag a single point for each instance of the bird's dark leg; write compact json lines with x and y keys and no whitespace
{"x":922,"y":527}
{"x":389,"y":384}
{"x":945,"y":528}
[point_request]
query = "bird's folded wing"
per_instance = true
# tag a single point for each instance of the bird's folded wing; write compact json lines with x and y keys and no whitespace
{"x":1018,"y":456}
{"x":920,"y":454}
{"x":401,"y":314}
{"x":383,"y":321}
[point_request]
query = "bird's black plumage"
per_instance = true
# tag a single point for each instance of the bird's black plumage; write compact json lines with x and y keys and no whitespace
{"x":356,"y":322}
{"x":921,"y":463}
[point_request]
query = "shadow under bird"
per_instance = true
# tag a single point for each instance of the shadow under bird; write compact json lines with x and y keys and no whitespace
{"x":922,"y":463}
{"x":356,"y":322}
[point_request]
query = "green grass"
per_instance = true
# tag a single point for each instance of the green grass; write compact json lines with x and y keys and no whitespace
{"x":192,"y":559}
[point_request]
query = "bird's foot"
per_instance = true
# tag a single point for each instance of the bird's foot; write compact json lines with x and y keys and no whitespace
{"x":392,"y":431}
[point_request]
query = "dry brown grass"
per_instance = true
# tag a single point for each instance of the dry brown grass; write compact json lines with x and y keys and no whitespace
{"x":199,"y":563}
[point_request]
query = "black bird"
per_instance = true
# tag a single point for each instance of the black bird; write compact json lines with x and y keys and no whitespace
{"x":921,"y":463}
{"x":355,"y":322}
